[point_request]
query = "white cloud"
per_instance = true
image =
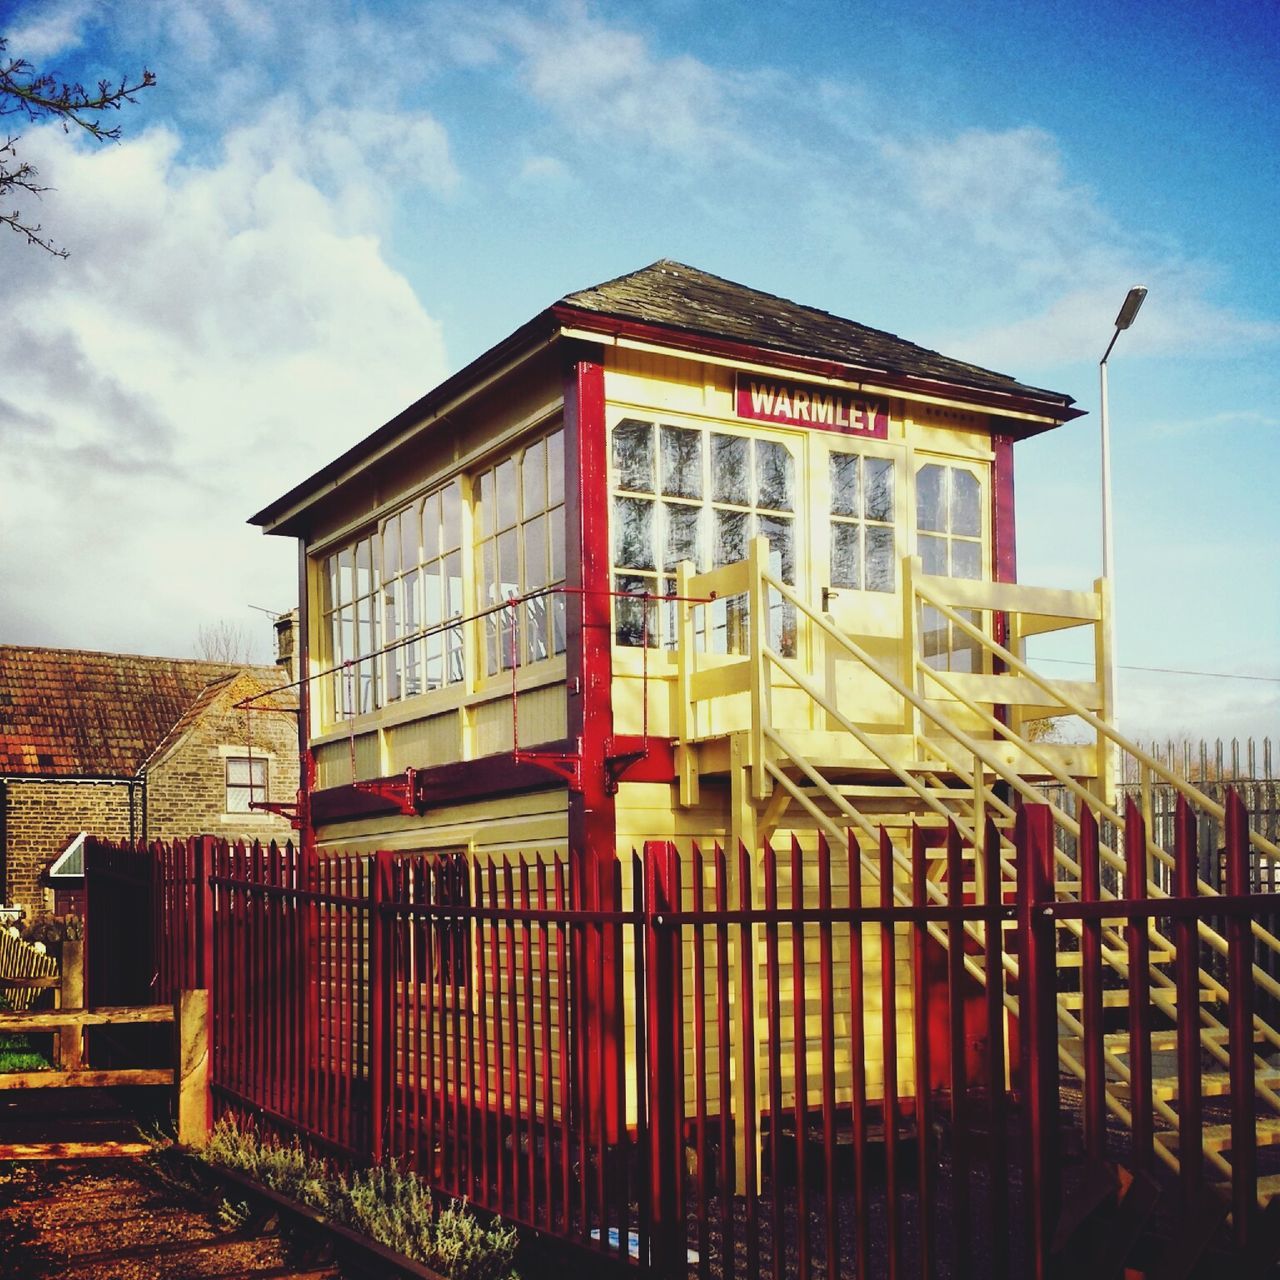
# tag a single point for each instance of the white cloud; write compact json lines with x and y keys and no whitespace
{"x":218,"y":332}
{"x":56,"y":28}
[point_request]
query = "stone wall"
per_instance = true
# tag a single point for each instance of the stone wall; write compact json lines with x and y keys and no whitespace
{"x":186,"y":784}
{"x":41,"y":818}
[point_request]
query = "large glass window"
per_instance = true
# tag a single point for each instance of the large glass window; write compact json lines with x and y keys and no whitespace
{"x":422,"y":590}
{"x":383,"y":592}
{"x":353,"y":623}
{"x":520,"y":553}
{"x":689,"y":493}
{"x":949,"y":543}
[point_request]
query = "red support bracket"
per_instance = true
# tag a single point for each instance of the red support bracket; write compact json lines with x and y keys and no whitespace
{"x":281,"y":808}
{"x":568,"y":764}
{"x":616,"y":763}
{"x":404,"y":792}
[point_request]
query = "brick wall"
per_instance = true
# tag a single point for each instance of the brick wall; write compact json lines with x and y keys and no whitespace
{"x":41,"y":818}
{"x":186,"y":785}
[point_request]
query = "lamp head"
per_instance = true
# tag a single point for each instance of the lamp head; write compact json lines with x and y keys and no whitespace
{"x":1132,"y":303}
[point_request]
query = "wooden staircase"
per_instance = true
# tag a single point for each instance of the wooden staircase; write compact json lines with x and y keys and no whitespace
{"x":961,"y":758}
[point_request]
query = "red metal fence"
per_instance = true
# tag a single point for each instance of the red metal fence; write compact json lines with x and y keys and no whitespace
{"x":801,"y":1063}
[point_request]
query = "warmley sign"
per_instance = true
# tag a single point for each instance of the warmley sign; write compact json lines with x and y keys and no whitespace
{"x":795,"y":405}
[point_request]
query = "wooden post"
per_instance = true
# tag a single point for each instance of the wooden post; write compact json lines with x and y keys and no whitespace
{"x":195,"y":1101}
{"x":71,"y":996}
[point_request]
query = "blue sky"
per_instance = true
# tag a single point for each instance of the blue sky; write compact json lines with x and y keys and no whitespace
{"x":323,"y":208}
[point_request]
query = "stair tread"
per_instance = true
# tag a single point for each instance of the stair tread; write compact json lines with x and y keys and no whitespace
{"x":1217,"y":1137}
{"x":1212,"y":1085}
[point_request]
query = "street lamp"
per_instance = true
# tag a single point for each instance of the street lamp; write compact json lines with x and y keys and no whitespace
{"x":1133,"y":301}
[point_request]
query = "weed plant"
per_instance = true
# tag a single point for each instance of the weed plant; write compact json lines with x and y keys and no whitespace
{"x":386,"y":1203}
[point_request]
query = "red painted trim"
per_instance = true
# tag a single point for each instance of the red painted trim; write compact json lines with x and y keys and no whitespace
{"x":589,"y":633}
{"x":1003,"y":534}
{"x":302,"y":659}
{"x":495,"y":775}
{"x":589,"y":706}
{"x":615,"y":326}
{"x":1004,"y":557}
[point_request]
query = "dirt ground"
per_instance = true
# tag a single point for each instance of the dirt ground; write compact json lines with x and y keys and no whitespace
{"x":118,"y":1219}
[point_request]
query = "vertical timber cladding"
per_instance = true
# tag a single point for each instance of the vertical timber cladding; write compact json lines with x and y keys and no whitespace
{"x":814,"y":421}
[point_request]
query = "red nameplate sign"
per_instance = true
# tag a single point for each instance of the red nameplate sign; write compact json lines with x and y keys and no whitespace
{"x":795,"y":405}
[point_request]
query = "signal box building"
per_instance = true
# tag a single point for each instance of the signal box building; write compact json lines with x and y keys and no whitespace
{"x":679,"y":560}
{"x":527,"y":599}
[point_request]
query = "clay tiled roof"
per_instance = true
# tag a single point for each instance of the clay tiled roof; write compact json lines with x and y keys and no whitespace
{"x":71,"y":713}
{"x":677,"y":296}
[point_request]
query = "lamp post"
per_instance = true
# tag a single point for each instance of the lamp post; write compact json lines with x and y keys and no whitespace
{"x":1128,"y":310}
{"x":1133,"y":301}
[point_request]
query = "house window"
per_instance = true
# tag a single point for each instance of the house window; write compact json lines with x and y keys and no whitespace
{"x":520,"y":552}
{"x":684,"y":493}
{"x":246,"y":782}
{"x":949,"y":542}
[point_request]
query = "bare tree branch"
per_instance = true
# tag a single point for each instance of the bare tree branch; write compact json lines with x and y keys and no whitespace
{"x":37,"y":96}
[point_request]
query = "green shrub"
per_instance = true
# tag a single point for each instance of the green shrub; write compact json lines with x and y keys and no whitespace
{"x":388,"y":1204}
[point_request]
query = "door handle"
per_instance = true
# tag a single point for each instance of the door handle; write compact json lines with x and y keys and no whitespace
{"x":828,"y":594}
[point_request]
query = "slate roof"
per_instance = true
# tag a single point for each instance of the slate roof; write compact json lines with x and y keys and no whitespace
{"x":73,"y":713}
{"x":678,"y":299}
{"x":678,"y":296}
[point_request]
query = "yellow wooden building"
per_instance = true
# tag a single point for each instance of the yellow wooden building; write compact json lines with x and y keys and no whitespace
{"x":525,"y":599}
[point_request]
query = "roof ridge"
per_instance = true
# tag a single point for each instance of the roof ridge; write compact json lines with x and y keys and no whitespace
{"x":226,"y":667}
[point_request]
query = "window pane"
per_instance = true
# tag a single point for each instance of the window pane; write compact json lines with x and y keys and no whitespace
{"x":878,"y":478}
{"x":633,"y":533}
{"x":555,"y":534}
{"x":490,"y":555}
{"x":881,"y":575}
{"x":391,"y":547}
{"x":533,"y":478}
{"x":505,"y":482}
{"x":535,"y":554}
{"x":629,"y":614}
{"x":488,"y":508}
{"x":238,"y":799}
{"x":412,"y":524}
{"x":730,"y":469}
{"x":633,"y":455}
{"x":782,"y":561}
{"x":555,"y":468}
{"x":966,"y":559}
{"x":364,"y":566}
{"x":683,"y":542}
{"x":773,"y":475}
{"x":930,"y":499}
{"x":258,"y":771}
{"x":508,"y":564}
{"x":933,"y":555}
{"x":681,"y":462}
{"x":346,"y":575}
{"x":966,"y":514}
{"x":453,"y":584}
{"x":237,"y":772}
{"x":450,"y":517}
{"x":844,"y":484}
{"x":730,"y":537}
{"x":933,"y":637}
{"x":845,"y":561}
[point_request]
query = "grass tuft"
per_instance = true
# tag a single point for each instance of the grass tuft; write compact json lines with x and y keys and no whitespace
{"x":386,"y":1203}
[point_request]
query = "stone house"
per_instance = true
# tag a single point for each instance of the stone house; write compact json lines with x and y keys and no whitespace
{"x":132,"y":747}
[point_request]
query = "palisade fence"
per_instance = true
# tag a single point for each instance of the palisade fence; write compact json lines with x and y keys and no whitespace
{"x":708,"y":1062}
